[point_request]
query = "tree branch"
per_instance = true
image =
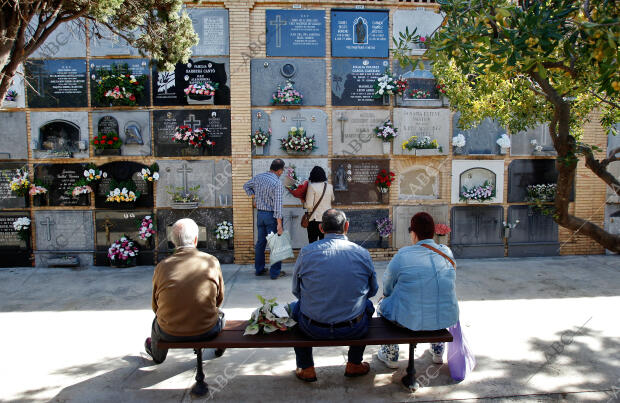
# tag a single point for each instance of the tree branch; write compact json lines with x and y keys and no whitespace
{"x":607,"y":101}
{"x":600,"y":168}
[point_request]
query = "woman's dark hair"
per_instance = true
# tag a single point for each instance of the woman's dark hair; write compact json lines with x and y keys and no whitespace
{"x":423,"y":225}
{"x":317,"y":174}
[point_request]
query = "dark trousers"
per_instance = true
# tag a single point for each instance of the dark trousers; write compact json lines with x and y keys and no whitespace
{"x":265,"y":223}
{"x":303,"y":355}
{"x":159,"y":354}
{"x":314,"y":233}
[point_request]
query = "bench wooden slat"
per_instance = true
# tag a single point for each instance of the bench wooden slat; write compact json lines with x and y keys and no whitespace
{"x":380,"y":332}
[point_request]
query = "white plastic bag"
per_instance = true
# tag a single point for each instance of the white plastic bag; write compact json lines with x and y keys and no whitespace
{"x":279,"y":247}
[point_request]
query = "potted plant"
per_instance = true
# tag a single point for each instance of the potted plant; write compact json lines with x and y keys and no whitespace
{"x":123,"y":253}
{"x":11,"y":96}
{"x":265,"y":319}
{"x":147,"y":230}
{"x":197,"y":139}
{"x":386,"y":132}
{"x":458,"y":142}
{"x":259,"y":140}
{"x":39,"y":193}
{"x":122,"y":194}
{"x":504,"y":143}
{"x":478,"y":194}
{"x":224,"y":233}
{"x":422,"y":146}
{"x":22,"y":226}
{"x":298,"y":142}
{"x":183,"y":200}
{"x":150,"y":174}
{"x":107,"y":144}
{"x":287,"y":95}
{"x":201,"y":93}
{"x":117,"y":87}
{"x":441,"y":230}
{"x":387,"y":85}
{"x":384,"y":181}
{"x":384,"y":228}
{"x":416,"y":93}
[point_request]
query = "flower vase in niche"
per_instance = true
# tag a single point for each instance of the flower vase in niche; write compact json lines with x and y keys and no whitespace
{"x":387,"y":85}
{"x":182,"y":198}
{"x":259,"y":140}
{"x":123,"y":253}
{"x":421,"y":146}
{"x":201,"y":93}
{"x":458,"y":144}
{"x":287,"y":95}
{"x":298,"y":142}
{"x":224,"y":234}
{"x":122,"y":195}
{"x":504,"y":143}
{"x":197,"y":140}
{"x":39,"y":194}
{"x":386,"y":133}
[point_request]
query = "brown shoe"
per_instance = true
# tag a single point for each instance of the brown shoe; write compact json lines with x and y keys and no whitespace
{"x":306,"y":374}
{"x":354,"y":370}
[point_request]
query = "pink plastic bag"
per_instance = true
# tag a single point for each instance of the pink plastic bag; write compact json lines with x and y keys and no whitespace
{"x":461,"y":359}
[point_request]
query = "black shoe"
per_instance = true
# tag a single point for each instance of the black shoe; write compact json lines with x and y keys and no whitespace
{"x":282,"y":274}
{"x":147,"y":347}
{"x":261,"y":272}
{"x":219,"y":352}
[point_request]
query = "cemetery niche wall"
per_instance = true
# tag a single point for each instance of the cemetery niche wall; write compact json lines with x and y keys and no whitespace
{"x":424,"y":20}
{"x":354,"y":181}
{"x":352,"y":131}
{"x":295,"y":33}
{"x":421,"y":88}
{"x":479,"y":140}
{"x":123,"y":179}
{"x":60,"y":180}
{"x":64,"y":238}
{"x":402,"y":221}
{"x":477,"y":181}
{"x":110,"y":226}
{"x":477,"y":231}
{"x":132,"y":127}
{"x":119,"y":82}
{"x":360,"y":33}
{"x":534,"y":141}
{"x":524,"y":173}
{"x":536,"y":234}
{"x":418,"y":182}
{"x":8,"y":198}
{"x":56,"y":83}
{"x":414,"y":125}
{"x":353,"y":81}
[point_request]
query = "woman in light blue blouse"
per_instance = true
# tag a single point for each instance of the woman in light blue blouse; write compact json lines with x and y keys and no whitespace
{"x":418,"y":288}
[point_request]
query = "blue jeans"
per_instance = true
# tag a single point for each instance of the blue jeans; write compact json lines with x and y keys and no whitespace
{"x":303,"y":355}
{"x":266,"y":223}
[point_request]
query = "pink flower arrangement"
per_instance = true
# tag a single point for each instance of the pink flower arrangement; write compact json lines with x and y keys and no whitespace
{"x":122,"y":251}
{"x":146,"y":228}
{"x":204,"y":89}
{"x":37,"y":190}
{"x":119,"y":93}
{"x":195,"y":138}
{"x":81,"y":190}
{"x":287,"y":95}
{"x":442,"y":229}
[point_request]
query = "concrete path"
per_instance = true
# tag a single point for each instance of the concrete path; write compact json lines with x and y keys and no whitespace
{"x":542,"y":329}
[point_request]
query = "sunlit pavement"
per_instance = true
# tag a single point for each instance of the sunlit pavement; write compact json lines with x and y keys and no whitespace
{"x":542,"y":329}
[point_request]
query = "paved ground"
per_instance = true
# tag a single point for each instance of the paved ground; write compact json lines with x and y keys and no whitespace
{"x":542,"y":328}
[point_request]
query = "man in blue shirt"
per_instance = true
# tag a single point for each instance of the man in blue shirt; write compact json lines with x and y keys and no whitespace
{"x":267,"y":191}
{"x":333,"y":279}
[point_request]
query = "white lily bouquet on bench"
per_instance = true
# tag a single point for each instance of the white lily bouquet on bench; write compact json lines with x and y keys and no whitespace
{"x":269,"y":318}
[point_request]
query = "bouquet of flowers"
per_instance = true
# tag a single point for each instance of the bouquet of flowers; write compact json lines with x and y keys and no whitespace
{"x":11,"y":96}
{"x":260,"y":138}
{"x":441,"y":88}
{"x":543,"y":193}
{"x":298,"y":141}
{"x":205,"y":90}
{"x":20,"y":185}
{"x":478,"y":193}
{"x":123,"y":251}
{"x":388,"y":85}
{"x":537,"y":147}
{"x":107,"y":141}
{"x":92,"y":174}
{"x":458,"y":140}
{"x":224,"y":230}
{"x":387,"y":131}
{"x":22,"y":226}
{"x":293,"y":184}
{"x":37,"y":189}
{"x":287,"y":95}
{"x":269,"y":318}
{"x":196,"y":138}
{"x":146,"y":229}
{"x":384,"y":180}
{"x":442,"y":229}
{"x":384,"y":227}
{"x":415,"y":93}
{"x":150,"y":174}
{"x":116,"y":87}
{"x":80,"y":190}
{"x":503,"y":141}
{"x":124,"y":192}
{"x":179,"y":195}
{"x":424,"y":143}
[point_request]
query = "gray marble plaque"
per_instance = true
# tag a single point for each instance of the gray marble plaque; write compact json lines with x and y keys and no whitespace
{"x":525,"y":143}
{"x":418,"y":182}
{"x":303,"y":166}
{"x":68,"y":40}
{"x":614,"y":169}
{"x":480,"y":139}
{"x":477,"y":231}
{"x":613,"y":141}
{"x":421,"y":87}
{"x":64,"y":234}
{"x":313,"y":120}
{"x":402,"y":220}
{"x":53,"y":132}
{"x":422,"y":19}
{"x":308,"y":76}
{"x":134,"y":129}
{"x":211,"y":25}
{"x":363,"y":226}
{"x":434,"y":123}
{"x":214,"y":178}
{"x":612,"y":220}
{"x":291,"y":217}
{"x":260,"y":120}
{"x":8,"y":199}
{"x":353,"y":131}
{"x":17,"y":85}
{"x":111,"y":44}
{"x":536,"y":234}
{"x":13,"y":135}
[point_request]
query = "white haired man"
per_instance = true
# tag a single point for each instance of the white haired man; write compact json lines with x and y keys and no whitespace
{"x":188,"y":290}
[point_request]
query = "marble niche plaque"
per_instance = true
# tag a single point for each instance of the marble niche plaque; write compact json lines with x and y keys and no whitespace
{"x":422,"y":19}
{"x":303,"y":166}
{"x":13,"y":135}
{"x":308,"y":76}
{"x":614,"y":169}
{"x":418,"y":182}
{"x":363,"y":227}
{"x":313,"y":120}
{"x":169,"y":86}
{"x":522,"y":173}
{"x":110,"y":226}
{"x":360,"y":33}
{"x":470,"y":173}
{"x":354,"y":181}
{"x":481,"y":139}
{"x":64,"y":238}
{"x":421,"y":87}
{"x":14,"y":252}
{"x":295,"y":33}
{"x":353,"y":131}
{"x":213,"y":177}
{"x":106,"y":43}
{"x":165,"y":123}
{"x":353,"y":81}
{"x":133,"y":127}
{"x":211,"y":25}
{"x":613,"y":141}
{"x":56,"y":83}
{"x":59,"y":180}
{"x":477,"y":231}
{"x":525,"y":143}
{"x":206,"y":219}
{"x":261,"y":120}
{"x":434,"y":123}
{"x":8,"y":199}
{"x":59,"y":134}
{"x":612,"y":220}
{"x":18,"y":88}
{"x":138,"y":67}
{"x":123,"y":171}
{"x":67,"y":40}
{"x":291,"y":217}
{"x":402,"y":221}
{"x":535,"y":235}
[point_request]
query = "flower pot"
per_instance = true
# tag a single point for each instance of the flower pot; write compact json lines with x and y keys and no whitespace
{"x":503,"y":150}
{"x":458,"y":150}
{"x":386,"y":147}
{"x":184,"y":205}
{"x":386,"y":99}
{"x":131,"y":262}
{"x":231,"y":244}
{"x":259,"y":150}
{"x":384,"y":242}
{"x":107,"y":151}
{"x":195,"y":99}
{"x":39,"y":200}
{"x":423,"y":152}
{"x":293,"y":152}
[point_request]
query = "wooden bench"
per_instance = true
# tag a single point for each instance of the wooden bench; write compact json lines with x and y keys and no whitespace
{"x":380,"y":332}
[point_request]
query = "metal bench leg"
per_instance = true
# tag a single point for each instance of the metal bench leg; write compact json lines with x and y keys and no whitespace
{"x":200,"y":388}
{"x":409,"y":380}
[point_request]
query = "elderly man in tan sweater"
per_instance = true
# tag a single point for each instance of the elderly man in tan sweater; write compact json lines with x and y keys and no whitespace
{"x":188,"y":290}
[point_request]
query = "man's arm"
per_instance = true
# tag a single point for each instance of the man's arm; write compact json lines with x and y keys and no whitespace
{"x":249,"y":187}
{"x":220,"y":287}
{"x":153,"y":298}
{"x":277,"y":208}
{"x":389,"y":276}
{"x":296,"y":280}
{"x":372,"y":282}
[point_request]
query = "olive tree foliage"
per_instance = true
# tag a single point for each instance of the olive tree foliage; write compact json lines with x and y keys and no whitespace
{"x":155,"y":27}
{"x":531,"y":62}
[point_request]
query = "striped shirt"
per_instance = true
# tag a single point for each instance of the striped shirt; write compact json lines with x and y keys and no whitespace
{"x":267,"y":190}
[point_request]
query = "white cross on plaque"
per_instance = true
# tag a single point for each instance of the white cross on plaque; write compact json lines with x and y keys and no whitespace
{"x":192,"y":122}
{"x":48,"y":223}
{"x":298,"y":119}
{"x":185,"y":170}
{"x":278,"y":23}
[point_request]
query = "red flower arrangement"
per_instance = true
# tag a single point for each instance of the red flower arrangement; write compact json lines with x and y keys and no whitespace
{"x":196,"y":138}
{"x":441,"y":88}
{"x":384,"y":180}
{"x":107,"y":140}
{"x":442,"y":229}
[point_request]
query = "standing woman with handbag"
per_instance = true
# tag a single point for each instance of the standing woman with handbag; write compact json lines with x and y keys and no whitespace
{"x":319,"y":198}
